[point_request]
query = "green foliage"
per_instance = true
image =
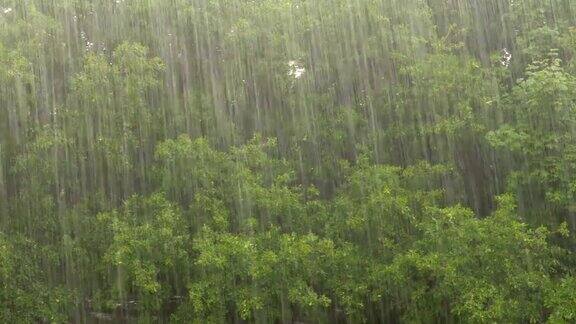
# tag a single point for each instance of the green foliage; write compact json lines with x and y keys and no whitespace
{"x":490,"y":270}
{"x":561,"y":300}
{"x":260,"y":275}
{"x":542,"y":108}
{"x":24,"y":294}
{"x":149,"y":242}
{"x":287,"y":161}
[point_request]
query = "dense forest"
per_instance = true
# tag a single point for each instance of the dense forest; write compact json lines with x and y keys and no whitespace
{"x":287,"y":161}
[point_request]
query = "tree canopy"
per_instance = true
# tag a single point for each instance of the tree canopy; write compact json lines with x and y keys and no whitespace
{"x":287,"y":161}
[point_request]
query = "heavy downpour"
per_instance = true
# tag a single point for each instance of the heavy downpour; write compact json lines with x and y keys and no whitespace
{"x":287,"y":161}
